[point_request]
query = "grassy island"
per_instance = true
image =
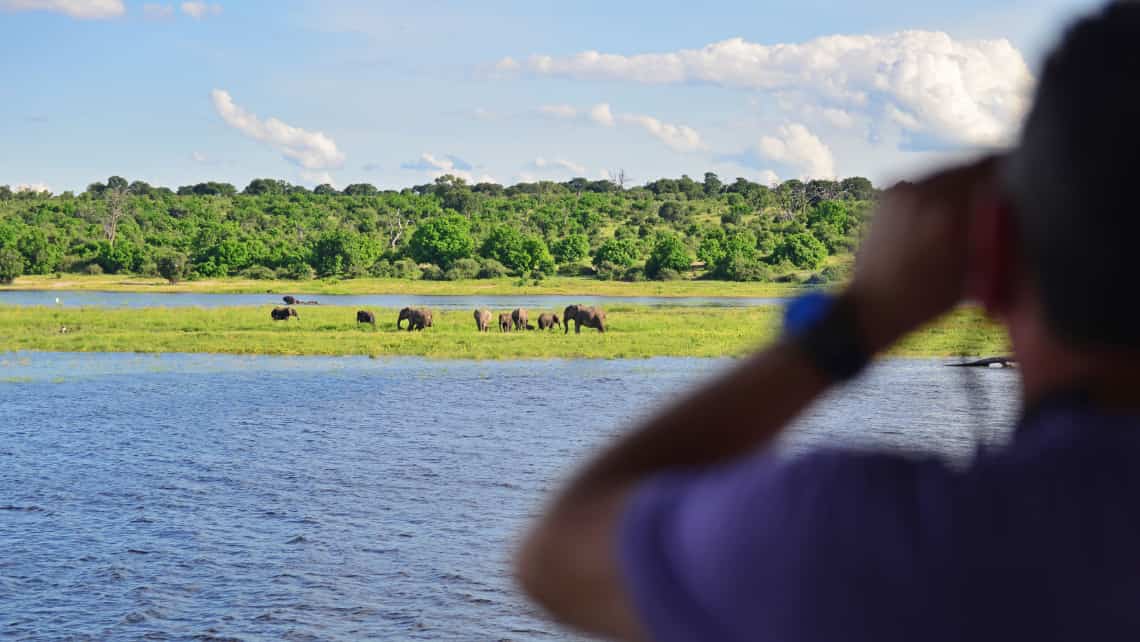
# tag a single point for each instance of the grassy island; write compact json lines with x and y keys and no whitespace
{"x":635,"y":332}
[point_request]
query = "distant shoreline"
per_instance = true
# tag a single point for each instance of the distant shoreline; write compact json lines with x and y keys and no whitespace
{"x":562,"y":285}
{"x":633,"y":332}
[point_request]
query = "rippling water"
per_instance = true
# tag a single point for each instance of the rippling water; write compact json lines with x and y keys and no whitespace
{"x":214,"y":497}
{"x":441,"y":302}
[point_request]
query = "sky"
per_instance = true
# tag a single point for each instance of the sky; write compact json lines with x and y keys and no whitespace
{"x":398,"y":93}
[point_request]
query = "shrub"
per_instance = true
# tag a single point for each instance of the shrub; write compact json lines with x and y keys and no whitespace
{"x":669,"y":253}
{"x":633,"y":274}
{"x":571,"y":249}
{"x":668,"y":274}
{"x":93,"y":268}
{"x":257,"y":273}
{"x":431,"y":272}
{"x":442,"y":240}
{"x":11,"y":265}
{"x":172,"y":266}
{"x":607,"y":271}
{"x":741,"y":268}
{"x":297,"y":271}
{"x":491,"y":269}
{"x":462,"y":269}
{"x":801,"y":250}
{"x":382,"y":268}
{"x":621,"y":252}
{"x":406,"y":269}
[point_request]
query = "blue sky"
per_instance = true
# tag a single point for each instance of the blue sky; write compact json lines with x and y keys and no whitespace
{"x":397,"y":93}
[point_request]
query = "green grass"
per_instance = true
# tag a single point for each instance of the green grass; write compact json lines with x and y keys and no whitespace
{"x":634,"y":332}
{"x":552,"y":285}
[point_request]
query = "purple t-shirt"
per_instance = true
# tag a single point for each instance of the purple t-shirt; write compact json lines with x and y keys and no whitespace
{"x":1040,"y":541}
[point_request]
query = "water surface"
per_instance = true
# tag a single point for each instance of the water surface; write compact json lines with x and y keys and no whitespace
{"x":205,"y":496}
{"x":77,"y":298}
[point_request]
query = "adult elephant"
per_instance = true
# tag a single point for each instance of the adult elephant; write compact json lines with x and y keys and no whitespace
{"x":505,"y":322}
{"x":582,"y":315}
{"x":548,"y":320}
{"x":417,"y":318}
{"x":483,"y":320}
{"x":520,"y":319}
{"x":283,"y":314}
{"x":364,"y":316}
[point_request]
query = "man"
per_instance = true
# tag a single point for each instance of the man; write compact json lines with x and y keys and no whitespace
{"x":688,"y":530}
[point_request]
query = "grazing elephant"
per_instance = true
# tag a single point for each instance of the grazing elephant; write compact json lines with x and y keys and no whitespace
{"x":364,"y":316}
{"x":547,"y":321}
{"x":505,"y":322}
{"x":520,"y":319}
{"x":483,"y":320}
{"x":283,"y":314}
{"x":290,"y":299}
{"x":418,"y":319}
{"x":583,"y":316}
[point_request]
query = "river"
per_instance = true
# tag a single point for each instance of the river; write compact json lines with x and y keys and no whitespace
{"x":216,"y":497}
{"x":75,"y":298}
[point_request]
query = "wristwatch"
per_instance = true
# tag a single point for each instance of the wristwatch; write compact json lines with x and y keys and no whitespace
{"x":824,"y":327}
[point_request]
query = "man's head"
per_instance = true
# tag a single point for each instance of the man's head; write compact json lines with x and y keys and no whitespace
{"x":1075,"y":201}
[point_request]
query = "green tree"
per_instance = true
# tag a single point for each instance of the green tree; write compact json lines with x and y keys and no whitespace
{"x":622,"y":253}
{"x":669,"y":253}
{"x":712,"y":184}
{"x":538,"y":255}
{"x":11,"y":264}
{"x":801,"y":250}
{"x":361,"y":189}
{"x":324,"y":189}
{"x":571,"y":248}
{"x":172,"y":265}
{"x":341,"y":252}
{"x":442,"y":240}
{"x":506,"y":244}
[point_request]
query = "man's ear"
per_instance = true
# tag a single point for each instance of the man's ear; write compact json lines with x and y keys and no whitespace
{"x":993,"y":250}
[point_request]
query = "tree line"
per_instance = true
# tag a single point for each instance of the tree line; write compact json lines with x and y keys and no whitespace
{"x":446,"y":229}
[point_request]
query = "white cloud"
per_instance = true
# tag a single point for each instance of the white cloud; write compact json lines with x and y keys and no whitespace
{"x":602,"y":115}
{"x":81,"y":9}
{"x":678,"y":137}
{"x":199,"y":157}
{"x":199,"y":10}
{"x":838,"y":118}
{"x":318,"y":177}
{"x":158,"y":11}
{"x":769,"y":178}
{"x":437,"y":166}
{"x":560,"y":163}
{"x":312,"y":151}
{"x":31,"y":187}
{"x":559,"y":111}
{"x":970,"y":92}
{"x":798,"y":148}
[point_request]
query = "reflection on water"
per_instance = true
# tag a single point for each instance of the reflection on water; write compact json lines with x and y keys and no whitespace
{"x":441,"y":302}
{"x":341,"y":498}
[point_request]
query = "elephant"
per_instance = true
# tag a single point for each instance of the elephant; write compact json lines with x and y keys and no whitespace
{"x":581,"y":315}
{"x":483,"y":320}
{"x":547,"y":321}
{"x":520,"y":319}
{"x":290,"y":299}
{"x":283,"y":314}
{"x":418,"y":319}
{"x":364,"y":316}
{"x":505,"y":322}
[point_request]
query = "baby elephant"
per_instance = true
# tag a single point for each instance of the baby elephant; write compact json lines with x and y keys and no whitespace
{"x":548,"y":320}
{"x":505,"y":322}
{"x":364,"y":316}
{"x":283,"y":314}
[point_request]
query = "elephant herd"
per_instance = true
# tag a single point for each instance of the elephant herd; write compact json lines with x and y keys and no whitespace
{"x":513,"y":321}
{"x":519,"y":319}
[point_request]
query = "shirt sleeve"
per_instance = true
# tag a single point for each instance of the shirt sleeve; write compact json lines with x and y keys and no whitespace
{"x":825,"y":547}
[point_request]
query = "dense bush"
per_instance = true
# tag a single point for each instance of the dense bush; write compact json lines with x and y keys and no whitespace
{"x":258,"y":273}
{"x":492,"y":269}
{"x":431,"y":272}
{"x":172,"y":266}
{"x":462,"y":269}
{"x":271,"y":225}
{"x":669,"y":253}
{"x":11,"y":264}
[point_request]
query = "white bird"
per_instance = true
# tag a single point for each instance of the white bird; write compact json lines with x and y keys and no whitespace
{"x":57,"y":301}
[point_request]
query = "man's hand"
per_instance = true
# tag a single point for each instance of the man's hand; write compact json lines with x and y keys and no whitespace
{"x":912,"y":266}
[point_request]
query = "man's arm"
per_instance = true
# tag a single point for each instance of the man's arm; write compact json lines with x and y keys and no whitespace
{"x":911,"y":269}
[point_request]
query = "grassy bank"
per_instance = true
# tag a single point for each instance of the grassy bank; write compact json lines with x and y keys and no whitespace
{"x":553,"y":285}
{"x":329,"y":330}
